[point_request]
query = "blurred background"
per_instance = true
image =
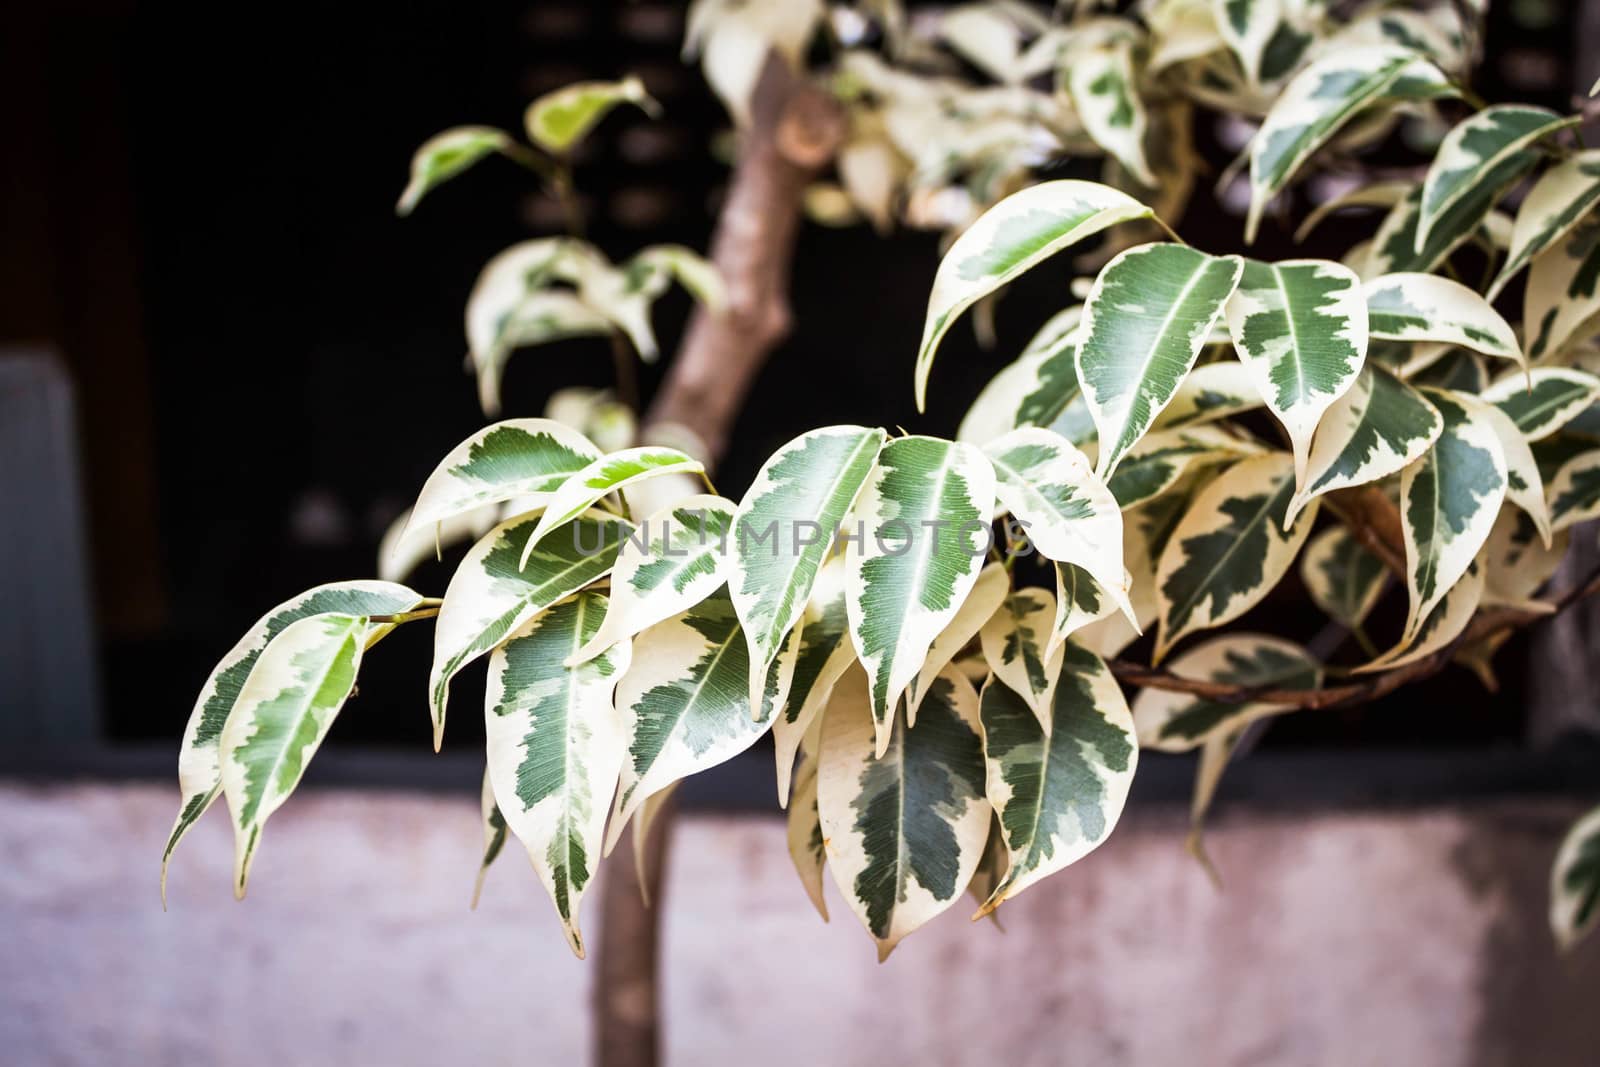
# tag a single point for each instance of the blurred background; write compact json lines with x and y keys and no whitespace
{"x":226,"y":366}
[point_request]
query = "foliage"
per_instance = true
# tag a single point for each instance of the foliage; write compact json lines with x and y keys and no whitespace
{"x":1167,"y":450}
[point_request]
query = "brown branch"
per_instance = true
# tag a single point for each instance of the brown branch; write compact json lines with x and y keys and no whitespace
{"x":1374,"y":521}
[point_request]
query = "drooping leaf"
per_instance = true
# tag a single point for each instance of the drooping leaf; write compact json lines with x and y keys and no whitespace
{"x":1070,"y":516}
{"x":1448,"y":501}
{"x":1563,"y":296}
{"x":539,"y":318}
{"x":561,"y":118}
{"x":684,"y":703}
{"x":904,"y":829}
{"x":1558,"y":201}
{"x":606,"y":475}
{"x":1524,"y":486}
{"x":921,"y":533}
{"x":1471,"y":151}
{"x":1212,"y":392}
{"x":1517,"y":562}
{"x":1015,"y":644}
{"x":1264,"y":34}
{"x":1016,"y":234}
{"x":825,"y":653}
{"x":677,"y":557}
{"x":1574,"y":492}
{"x":806,"y":848}
{"x":1146,"y":530}
{"x":1230,"y":549}
{"x":1423,"y":307}
{"x":1394,"y":248}
{"x":282,"y":713}
{"x":784,"y":528}
{"x":1575,"y":881}
{"x":1342,"y":577}
{"x":1376,"y":428}
{"x":1311,"y":109}
{"x":1105,"y":93}
{"x":1443,"y":624}
{"x":1058,"y":795}
{"x":199,"y":758}
{"x":1162,"y":458}
{"x":1039,"y":389}
{"x":555,"y":747}
{"x":491,"y":594}
{"x":1301,"y":328}
{"x":1079,"y":602}
{"x":653,"y":266}
{"x":447,"y":154}
{"x":988,"y":592}
{"x":1176,"y":722}
{"x":402,"y":549}
{"x":1144,"y":324}
{"x":513,"y":459}
{"x":494,"y":835}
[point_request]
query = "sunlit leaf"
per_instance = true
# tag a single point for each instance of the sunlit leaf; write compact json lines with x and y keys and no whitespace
{"x":447,"y":154}
{"x":1558,"y":201}
{"x":561,"y":118}
{"x":1423,"y":307}
{"x":602,"y":477}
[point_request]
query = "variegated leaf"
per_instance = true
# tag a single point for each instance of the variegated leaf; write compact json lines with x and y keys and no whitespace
{"x":805,"y":488}
{"x":684,"y":703}
{"x":1457,"y":369}
{"x":511,"y":459}
{"x":1558,"y":201}
{"x":677,"y":558}
{"x":921,"y":533}
{"x":1079,"y":602}
{"x":654,"y":266}
{"x":1445,"y":621}
{"x":1230,"y":549}
{"x":904,"y":829}
{"x":1376,"y":428}
{"x":606,"y":475}
{"x":445,"y":155}
{"x":555,"y":747}
{"x":806,"y":848}
{"x":1146,"y":319}
{"x":1311,"y":109}
{"x":199,"y":758}
{"x":1471,"y":151}
{"x":644,"y":823}
{"x":402,"y":549}
{"x":1145,"y":533}
{"x":1015,"y":235}
{"x":1163,"y":457}
{"x":1104,"y":91}
{"x":1563,"y":297}
{"x":1176,"y":722}
{"x":491,"y":594}
{"x":561,"y":118}
{"x":1015,"y":644}
{"x":494,"y":835}
{"x":1422,"y":307}
{"x":1301,"y":329}
{"x":1266,"y":35}
{"x":1342,"y":577}
{"x":283,"y":711}
{"x":1212,"y":392}
{"x":1574,"y":492}
{"x":988,"y":592}
{"x":1070,"y":516}
{"x":825,"y":653}
{"x":1058,"y":795}
{"x":1039,"y":389}
{"x":1394,"y":248}
{"x":1517,"y":561}
{"x":1524,"y":486}
{"x":1448,"y":501}
{"x":539,"y":318}
{"x":1575,"y":880}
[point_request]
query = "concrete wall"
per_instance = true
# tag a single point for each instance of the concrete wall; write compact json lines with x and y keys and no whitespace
{"x":1340,"y":939}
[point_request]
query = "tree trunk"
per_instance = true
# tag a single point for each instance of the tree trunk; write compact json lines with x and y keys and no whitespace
{"x":795,"y":129}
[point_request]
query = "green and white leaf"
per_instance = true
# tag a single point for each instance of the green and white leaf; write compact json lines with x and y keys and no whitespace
{"x":806,"y":848}
{"x":536,"y":319}
{"x":1563,"y":295}
{"x":447,"y":154}
{"x":1104,"y":91}
{"x":606,"y":475}
{"x":1212,"y":392}
{"x":810,"y":482}
{"x":402,"y":549}
{"x":684,"y":703}
{"x":677,"y":558}
{"x":494,"y":835}
{"x":1070,"y":516}
{"x":1080,"y":602}
{"x":1444,"y":623}
{"x":1162,"y":458}
{"x":1177,"y":722}
{"x":1524,"y":486}
{"x":1040,"y":388}
{"x":283,"y":711}
{"x":1424,"y":307}
{"x":923,"y":524}
{"x":555,"y":746}
{"x":200,"y":756}
{"x":561,"y":118}
{"x":492,"y":594}
{"x":1230,"y":549}
{"x":1146,"y":319}
{"x":904,"y":830}
{"x":1378,"y":427}
{"x":1448,"y":501}
{"x":1394,"y":248}
{"x":1311,"y":109}
{"x":1574,"y":492}
{"x":825,"y":653}
{"x":1058,"y":795}
{"x":1471,"y":151}
{"x":1268,"y":36}
{"x":1010,"y":238}
{"x":1145,"y":533}
{"x":1575,"y":882}
{"x":1015,"y":644}
{"x":1342,"y":577}
{"x":1301,"y":328}
{"x":654,"y":266}
{"x":1516,"y":560}
{"x":512,"y":459}
{"x":988,"y":593}
{"x":1558,"y":201}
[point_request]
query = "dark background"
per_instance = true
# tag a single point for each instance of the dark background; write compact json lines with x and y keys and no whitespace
{"x":198,"y":216}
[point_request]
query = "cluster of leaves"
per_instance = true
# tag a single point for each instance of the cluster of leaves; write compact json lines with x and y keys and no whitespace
{"x":1169,"y":448}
